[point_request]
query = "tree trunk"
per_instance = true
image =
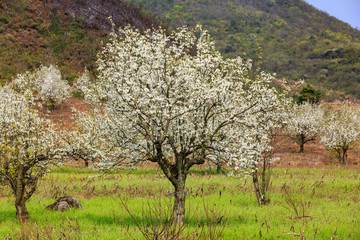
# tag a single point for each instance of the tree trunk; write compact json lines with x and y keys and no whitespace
{"x":259,"y":196}
{"x":86,"y":163}
{"x":218,"y":168}
{"x":302,"y":143}
{"x":21,"y":211}
{"x":19,"y":192}
{"x":179,"y":204}
{"x":343,"y":157}
{"x":301,"y":147}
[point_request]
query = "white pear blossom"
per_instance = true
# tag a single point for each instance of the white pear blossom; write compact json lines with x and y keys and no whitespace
{"x":341,"y":129}
{"x":86,"y":87}
{"x":174,"y":100}
{"x":28,"y":145}
{"x":93,"y":141}
{"x":47,"y":81}
{"x":305,"y":123}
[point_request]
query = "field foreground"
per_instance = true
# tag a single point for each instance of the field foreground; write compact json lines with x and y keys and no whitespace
{"x":314,"y":203}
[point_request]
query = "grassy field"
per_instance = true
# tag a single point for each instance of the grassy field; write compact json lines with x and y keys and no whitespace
{"x":315,"y":203}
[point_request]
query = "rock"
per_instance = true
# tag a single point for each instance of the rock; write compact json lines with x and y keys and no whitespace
{"x":64,"y":203}
{"x":62,"y":206}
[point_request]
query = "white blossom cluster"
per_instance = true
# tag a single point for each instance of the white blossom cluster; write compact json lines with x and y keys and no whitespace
{"x":47,"y":81}
{"x":28,"y":143}
{"x":305,"y":122}
{"x":341,"y":128}
{"x":90,"y":142}
{"x":175,"y":94}
{"x":88,"y":88}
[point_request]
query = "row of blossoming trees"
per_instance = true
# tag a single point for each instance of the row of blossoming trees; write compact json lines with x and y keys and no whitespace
{"x":338,"y":128}
{"x":165,"y":98}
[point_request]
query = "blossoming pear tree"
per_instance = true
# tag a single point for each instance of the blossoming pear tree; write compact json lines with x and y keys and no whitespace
{"x":305,"y":123}
{"x":341,"y":129}
{"x":28,"y":145}
{"x":90,"y":141}
{"x":256,"y":142}
{"x":172,"y":99}
{"x":47,"y":81}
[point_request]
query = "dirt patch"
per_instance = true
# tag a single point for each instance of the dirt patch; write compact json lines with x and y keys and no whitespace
{"x":62,"y":115}
{"x":3,"y":196}
{"x":315,"y":156}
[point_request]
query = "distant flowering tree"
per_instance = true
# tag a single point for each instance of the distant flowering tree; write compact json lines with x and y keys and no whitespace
{"x":341,"y":129}
{"x":305,"y":123}
{"x":28,"y":145}
{"x":82,"y":82}
{"x":173,"y":99}
{"x":257,"y":148}
{"x":47,"y":81}
{"x":90,"y":141}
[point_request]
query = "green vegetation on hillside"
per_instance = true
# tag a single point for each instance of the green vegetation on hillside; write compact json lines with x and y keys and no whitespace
{"x":40,"y":32}
{"x":296,"y":40}
{"x":289,"y":38}
{"x":33,"y":33}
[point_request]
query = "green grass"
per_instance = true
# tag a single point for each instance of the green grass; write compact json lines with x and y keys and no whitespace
{"x":329,"y":198}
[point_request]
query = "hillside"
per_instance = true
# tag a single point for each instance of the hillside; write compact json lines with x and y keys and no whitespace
{"x":67,"y":33}
{"x":289,"y":38}
{"x":297,"y":41}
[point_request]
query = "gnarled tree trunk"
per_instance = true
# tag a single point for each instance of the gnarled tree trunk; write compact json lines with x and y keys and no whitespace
{"x":22,"y":213}
{"x":179,"y":203}
{"x":177,"y":172}
{"x":342,"y":155}
{"x":259,"y":195}
{"x":19,"y":190}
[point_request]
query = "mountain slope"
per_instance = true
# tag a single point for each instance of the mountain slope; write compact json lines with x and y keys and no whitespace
{"x":63,"y":32}
{"x":296,"y":40}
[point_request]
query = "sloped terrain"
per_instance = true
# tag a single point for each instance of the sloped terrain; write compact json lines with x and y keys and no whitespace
{"x":97,"y":13}
{"x":290,"y":38}
{"x":66,"y":33}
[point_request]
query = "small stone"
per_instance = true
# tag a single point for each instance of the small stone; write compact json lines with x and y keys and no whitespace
{"x":62,"y":206}
{"x":64,"y":203}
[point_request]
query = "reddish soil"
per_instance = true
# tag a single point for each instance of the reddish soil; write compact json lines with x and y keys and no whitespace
{"x":315,"y":156}
{"x":62,"y":115}
{"x":3,"y":196}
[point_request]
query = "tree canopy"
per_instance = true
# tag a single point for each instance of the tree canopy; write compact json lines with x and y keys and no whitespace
{"x":28,"y":145}
{"x":174,"y":100}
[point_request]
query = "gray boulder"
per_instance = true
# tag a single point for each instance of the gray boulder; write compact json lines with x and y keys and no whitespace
{"x":64,"y":203}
